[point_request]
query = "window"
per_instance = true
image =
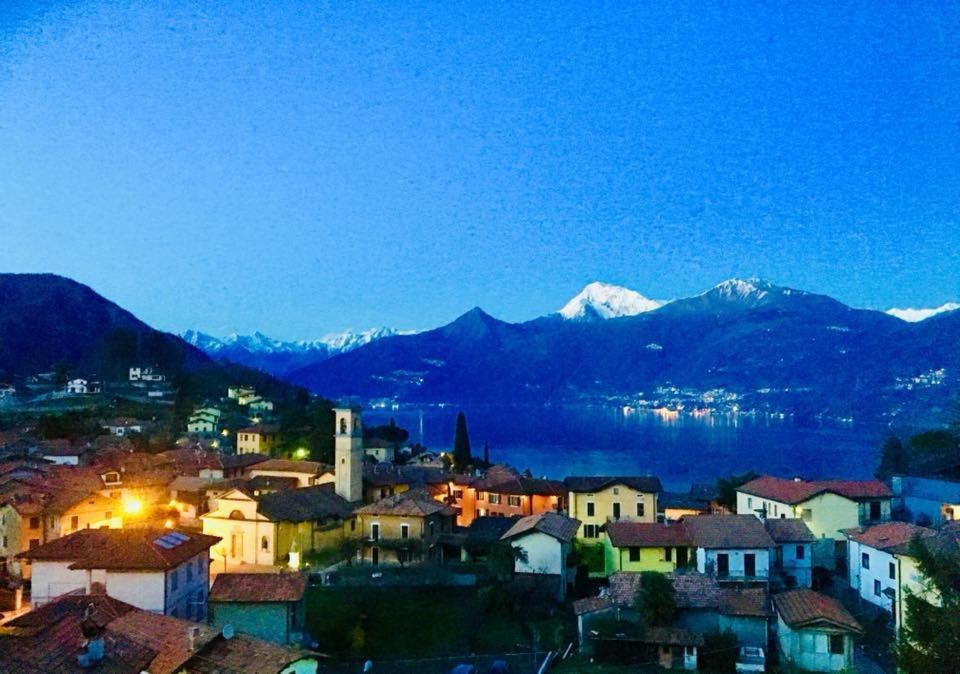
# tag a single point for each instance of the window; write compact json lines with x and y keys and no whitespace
{"x":893,"y":571}
{"x":34,"y":522}
{"x":457,"y":493}
{"x":876,"y":588}
{"x":75,"y":522}
{"x":591,"y":509}
{"x":174,"y":580}
{"x":108,"y":515}
{"x":264,"y":544}
{"x":749,"y":501}
{"x":616,"y":511}
{"x":634,"y":554}
{"x":668,"y":554}
{"x":865,"y":560}
{"x":836,"y":644}
{"x":640,"y":509}
{"x":874,"y":510}
{"x":5,"y":542}
{"x":590,"y":531}
{"x":616,"y":491}
{"x":801,"y":552}
{"x":404,"y":531}
{"x":480,"y":496}
{"x":494,"y":499}
{"x":353,"y":525}
{"x":513,"y":501}
{"x":375,"y":531}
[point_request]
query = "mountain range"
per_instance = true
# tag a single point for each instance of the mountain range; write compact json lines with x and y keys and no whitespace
{"x":775,"y":349}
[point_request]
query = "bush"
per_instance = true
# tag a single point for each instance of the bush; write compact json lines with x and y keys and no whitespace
{"x":719,"y":653}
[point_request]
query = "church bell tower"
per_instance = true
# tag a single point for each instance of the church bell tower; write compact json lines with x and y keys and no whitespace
{"x":348,"y":450}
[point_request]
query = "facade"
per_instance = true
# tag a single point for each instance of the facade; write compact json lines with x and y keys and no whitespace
{"x":306,"y":473}
{"x":872,"y":558}
{"x":731,"y":547}
{"x":793,"y":557}
{"x":402,"y":528}
{"x":202,"y":423}
{"x":145,"y":374}
{"x":595,"y":501}
{"x":264,"y":531}
{"x":260,"y":439}
{"x":81,"y":387}
{"x":646,"y":546}
{"x":500,"y":492}
{"x":157,"y":570}
{"x":814,"y":631}
{"x":926,"y":499}
{"x":546,"y":541}
{"x":264,"y":605}
{"x":384,"y":453}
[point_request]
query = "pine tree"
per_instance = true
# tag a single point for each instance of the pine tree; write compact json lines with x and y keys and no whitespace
{"x":461,"y":442}
{"x":894,"y":459}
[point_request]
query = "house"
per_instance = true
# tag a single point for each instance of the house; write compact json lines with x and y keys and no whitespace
{"x":381,"y":480}
{"x":482,"y":535}
{"x":306,"y":473}
{"x":545,"y":540}
{"x":259,"y":439}
{"x":264,"y":531}
{"x":188,"y":496}
{"x":160,"y":570}
{"x":237,"y":465}
{"x":203,"y":422}
{"x":705,"y":605}
{"x":872,"y":558}
{"x":646,"y":546}
{"x":827,"y":506}
{"x":121,"y":426}
{"x":260,"y":406}
{"x":927,"y":500}
{"x":598,"y":500}
{"x":81,"y":386}
{"x":268,"y":606}
{"x":793,"y":558}
{"x":402,"y":528}
{"x":234,"y":392}
{"x":814,"y":631}
{"x":95,"y":632}
{"x":502,"y":492}
{"x":946,"y":541}
{"x":146,"y":374}
{"x":381,"y":452}
{"x":62,"y":452}
{"x":731,"y":547}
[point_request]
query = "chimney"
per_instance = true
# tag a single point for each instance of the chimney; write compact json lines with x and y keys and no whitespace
{"x":192,"y":633}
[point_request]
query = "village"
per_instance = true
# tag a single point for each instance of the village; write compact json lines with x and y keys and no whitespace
{"x":230,"y":552}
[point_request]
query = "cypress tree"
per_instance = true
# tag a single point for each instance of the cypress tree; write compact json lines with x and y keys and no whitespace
{"x":461,"y":442}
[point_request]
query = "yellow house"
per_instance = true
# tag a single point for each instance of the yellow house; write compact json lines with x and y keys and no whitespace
{"x":260,"y":439}
{"x":264,"y":531}
{"x":595,"y":501}
{"x":402,"y":528}
{"x":647,"y":546}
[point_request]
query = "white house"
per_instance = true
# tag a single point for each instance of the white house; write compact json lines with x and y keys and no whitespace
{"x":731,"y":547}
{"x":793,"y":556}
{"x":121,"y":426}
{"x":158,"y":570}
{"x":81,"y":387}
{"x":545,"y":541}
{"x":814,"y":631}
{"x":145,"y":374}
{"x":872,"y":558}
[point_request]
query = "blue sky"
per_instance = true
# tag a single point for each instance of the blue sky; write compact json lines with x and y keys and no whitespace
{"x":299,"y":168}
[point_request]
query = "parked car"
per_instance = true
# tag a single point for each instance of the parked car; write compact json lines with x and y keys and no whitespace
{"x":751,"y":659}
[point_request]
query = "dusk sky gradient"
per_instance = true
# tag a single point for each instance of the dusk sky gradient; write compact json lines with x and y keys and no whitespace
{"x":301,"y":168}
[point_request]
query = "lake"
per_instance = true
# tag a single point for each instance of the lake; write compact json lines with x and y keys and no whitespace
{"x":556,"y":441}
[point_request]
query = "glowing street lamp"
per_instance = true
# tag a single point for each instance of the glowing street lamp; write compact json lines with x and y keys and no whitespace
{"x":301,"y":453}
{"x":132,"y":506}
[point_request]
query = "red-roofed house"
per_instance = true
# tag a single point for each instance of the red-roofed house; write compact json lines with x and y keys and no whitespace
{"x":268,"y":606}
{"x":814,"y":631}
{"x":646,"y":546}
{"x":159,"y":570}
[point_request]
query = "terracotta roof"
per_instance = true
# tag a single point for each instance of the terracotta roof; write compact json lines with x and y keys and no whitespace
{"x":520,"y":485}
{"x":624,"y":586}
{"x":245,"y":654}
{"x":805,"y":608}
{"x":485,"y":531}
{"x":553,"y":524}
{"x":387,"y":474}
{"x":412,"y":503}
{"x":190,"y":460}
{"x":727,"y":531}
{"x":293,"y":466}
{"x":242,"y":460}
{"x":627,"y":534}
{"x":591,"y":604}
{"x":123,"y":548}
{"x":695,"y":591}
{"x":645,"y":483}
{"x":744,"y":602}
{"x":797,"y":491}
{"x":271,"y":482}
{"x":301,"y":505}
{"x":789,"y":530}
{"x":258,"y":587}
{"x":888,"y":536}
{"x":165,"y":635}
{"x":49,"y":638}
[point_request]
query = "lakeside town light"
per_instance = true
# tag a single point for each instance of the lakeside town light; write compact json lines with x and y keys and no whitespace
{"x":132,"y":506}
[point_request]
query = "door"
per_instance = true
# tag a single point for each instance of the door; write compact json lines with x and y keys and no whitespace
{"x":616,"y":511}
{"x":750,"y":565}
{"x":682,"y":557}
{"x":236,"y":545}
{"x":375,"y":556}
{"x":723,"y":564}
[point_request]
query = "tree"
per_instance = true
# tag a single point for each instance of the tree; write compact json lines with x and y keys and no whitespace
{"x":655,"y":602}
{"x":929,"y":639}
{"x":727,"y":489}
{"x":502,"y":560}
{"x":461,"y":442}
{"x":894,"y":459}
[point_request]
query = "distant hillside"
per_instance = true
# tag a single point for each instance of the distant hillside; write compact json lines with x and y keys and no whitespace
{"x":778,"y":348}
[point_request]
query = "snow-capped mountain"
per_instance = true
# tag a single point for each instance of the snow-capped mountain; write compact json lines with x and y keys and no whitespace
{"x":280,"y":357}
{"x":602,"y":300}
{"x":915,"y":315}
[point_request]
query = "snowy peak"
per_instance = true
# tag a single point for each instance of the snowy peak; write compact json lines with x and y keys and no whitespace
{"x":602,"y":301}
{"x":259,"y":343}
{"x":916,"y":315}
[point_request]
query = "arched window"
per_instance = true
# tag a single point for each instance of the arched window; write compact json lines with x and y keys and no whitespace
{"x":236,"y":515}
{"x":343,"y":425}
{"x":265,"y":544}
